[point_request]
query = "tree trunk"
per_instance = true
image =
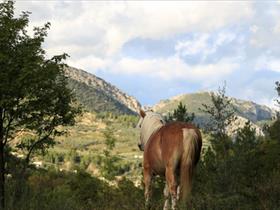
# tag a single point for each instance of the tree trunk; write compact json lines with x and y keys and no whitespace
{"x":2,"y":176}
{"x":21,"y":176}
{"x":2,"y":163}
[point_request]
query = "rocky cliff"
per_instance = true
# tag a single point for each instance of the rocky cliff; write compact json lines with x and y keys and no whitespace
{"x":88,"y":86}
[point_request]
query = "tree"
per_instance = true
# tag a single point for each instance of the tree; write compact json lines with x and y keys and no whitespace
{"x":220,"y":112}
{"x":273,"y":130}
{"x":180,"y":114}
{"x":34,"y":99}
{"x":108,"y":161}
{"x":221,"y":115}
{"x":278,"y":91}
{"x":240,"y":172}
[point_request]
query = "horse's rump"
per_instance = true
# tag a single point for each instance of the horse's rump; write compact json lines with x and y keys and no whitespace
{"x":180,"y":145}
{"x":172,"y":137}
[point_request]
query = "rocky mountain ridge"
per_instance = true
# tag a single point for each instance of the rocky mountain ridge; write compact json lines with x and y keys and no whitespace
{"x":111,"y":92}
{"x":193,"y":101}
{"x":244,"y":110}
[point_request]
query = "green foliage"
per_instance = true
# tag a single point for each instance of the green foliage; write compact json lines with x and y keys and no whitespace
{"x":238,"y":173}
{"x":221,"y":113}
{"x":74,"y":157}
{"x":246,"y":137}
{"x":108,"y":161}
{"x":242,"y":178}
{"x":278,"y":91}
{"x":33,"y":95}
{"x":58,"y":190}
{"x":180,"y":114}
{"x":273,"y":130}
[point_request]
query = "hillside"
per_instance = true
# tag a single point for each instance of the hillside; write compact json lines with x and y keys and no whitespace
{"x":245,"y":110}
{"x":95,"y":94}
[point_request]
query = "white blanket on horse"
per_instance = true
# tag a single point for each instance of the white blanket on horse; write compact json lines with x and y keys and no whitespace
{"x":152,"y":122}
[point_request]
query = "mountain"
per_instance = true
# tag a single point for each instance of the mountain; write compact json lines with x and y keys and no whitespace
{"x":95,"y":94}
{"x":100,"y":96}
{"x":245,"y":110}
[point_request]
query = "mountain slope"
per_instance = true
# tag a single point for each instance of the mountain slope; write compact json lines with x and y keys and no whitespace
{"x":245,"y":109}
{"x":98,"y":95}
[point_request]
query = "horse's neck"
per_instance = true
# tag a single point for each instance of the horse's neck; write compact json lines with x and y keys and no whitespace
{"x":150,"y":127}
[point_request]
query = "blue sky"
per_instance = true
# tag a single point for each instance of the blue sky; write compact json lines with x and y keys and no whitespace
{"x":156,"y":50}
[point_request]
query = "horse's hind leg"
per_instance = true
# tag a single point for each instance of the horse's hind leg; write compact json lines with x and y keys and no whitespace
{"x":172,"y":185}
{"x":166,"y":197}
{"x":147,"y":183}
{"x":178,"y":192}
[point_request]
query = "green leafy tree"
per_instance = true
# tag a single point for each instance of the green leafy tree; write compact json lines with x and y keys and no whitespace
{"x":34,"y":99}
{"x":107,"y":161}
{"x":180,"y":114}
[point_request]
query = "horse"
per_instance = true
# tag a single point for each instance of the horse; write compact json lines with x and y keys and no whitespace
{"x":171,"y":150}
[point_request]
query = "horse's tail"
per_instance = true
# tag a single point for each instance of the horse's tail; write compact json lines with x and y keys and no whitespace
{"x":189,"y":158}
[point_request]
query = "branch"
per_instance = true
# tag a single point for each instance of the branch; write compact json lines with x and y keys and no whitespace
{"x":35,"y":144}
{"x":7,"y":129}
{"x":3,"y":114}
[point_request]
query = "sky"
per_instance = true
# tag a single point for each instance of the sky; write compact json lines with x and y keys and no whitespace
{"x":156,"y":50}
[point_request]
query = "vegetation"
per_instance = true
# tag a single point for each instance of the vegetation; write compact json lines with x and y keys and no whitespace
{"x":34,"y":99}
{"x":220,"y":112}
{"x":97,"y":166}
{"x":180,"y":114}
{"x":107,"y":161}
{"x":239,"y":173}
{"x":96,"y":100}
{"x":74,"y":191}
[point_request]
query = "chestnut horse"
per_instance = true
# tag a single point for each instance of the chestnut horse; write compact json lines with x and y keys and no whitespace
{"x":172,"y":150}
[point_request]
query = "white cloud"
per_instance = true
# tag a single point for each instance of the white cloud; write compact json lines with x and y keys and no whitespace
{"x":267,"y":63}
{"x":274,"y":65}
{"x":266,"y":28}
{"x":111,"y":24}
{"x":260,"y":90}
{"x":175,"y":68}
{"x":204,"y":44}
{"x":90,"y":63}
{"x":254,"y":28}
{"x":192,"y":47}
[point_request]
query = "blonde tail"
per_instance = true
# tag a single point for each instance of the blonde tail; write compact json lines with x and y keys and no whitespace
{"x":187,"y":162}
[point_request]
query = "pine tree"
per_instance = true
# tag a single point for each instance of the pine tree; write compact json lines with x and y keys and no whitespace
{"x":220,"y":112}
{"x":278,"y":91}
{"x":274,"y":130}
{"x":180,"y":114}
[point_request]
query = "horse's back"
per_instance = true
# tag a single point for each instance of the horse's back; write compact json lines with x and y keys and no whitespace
{"x":172,"y":140}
